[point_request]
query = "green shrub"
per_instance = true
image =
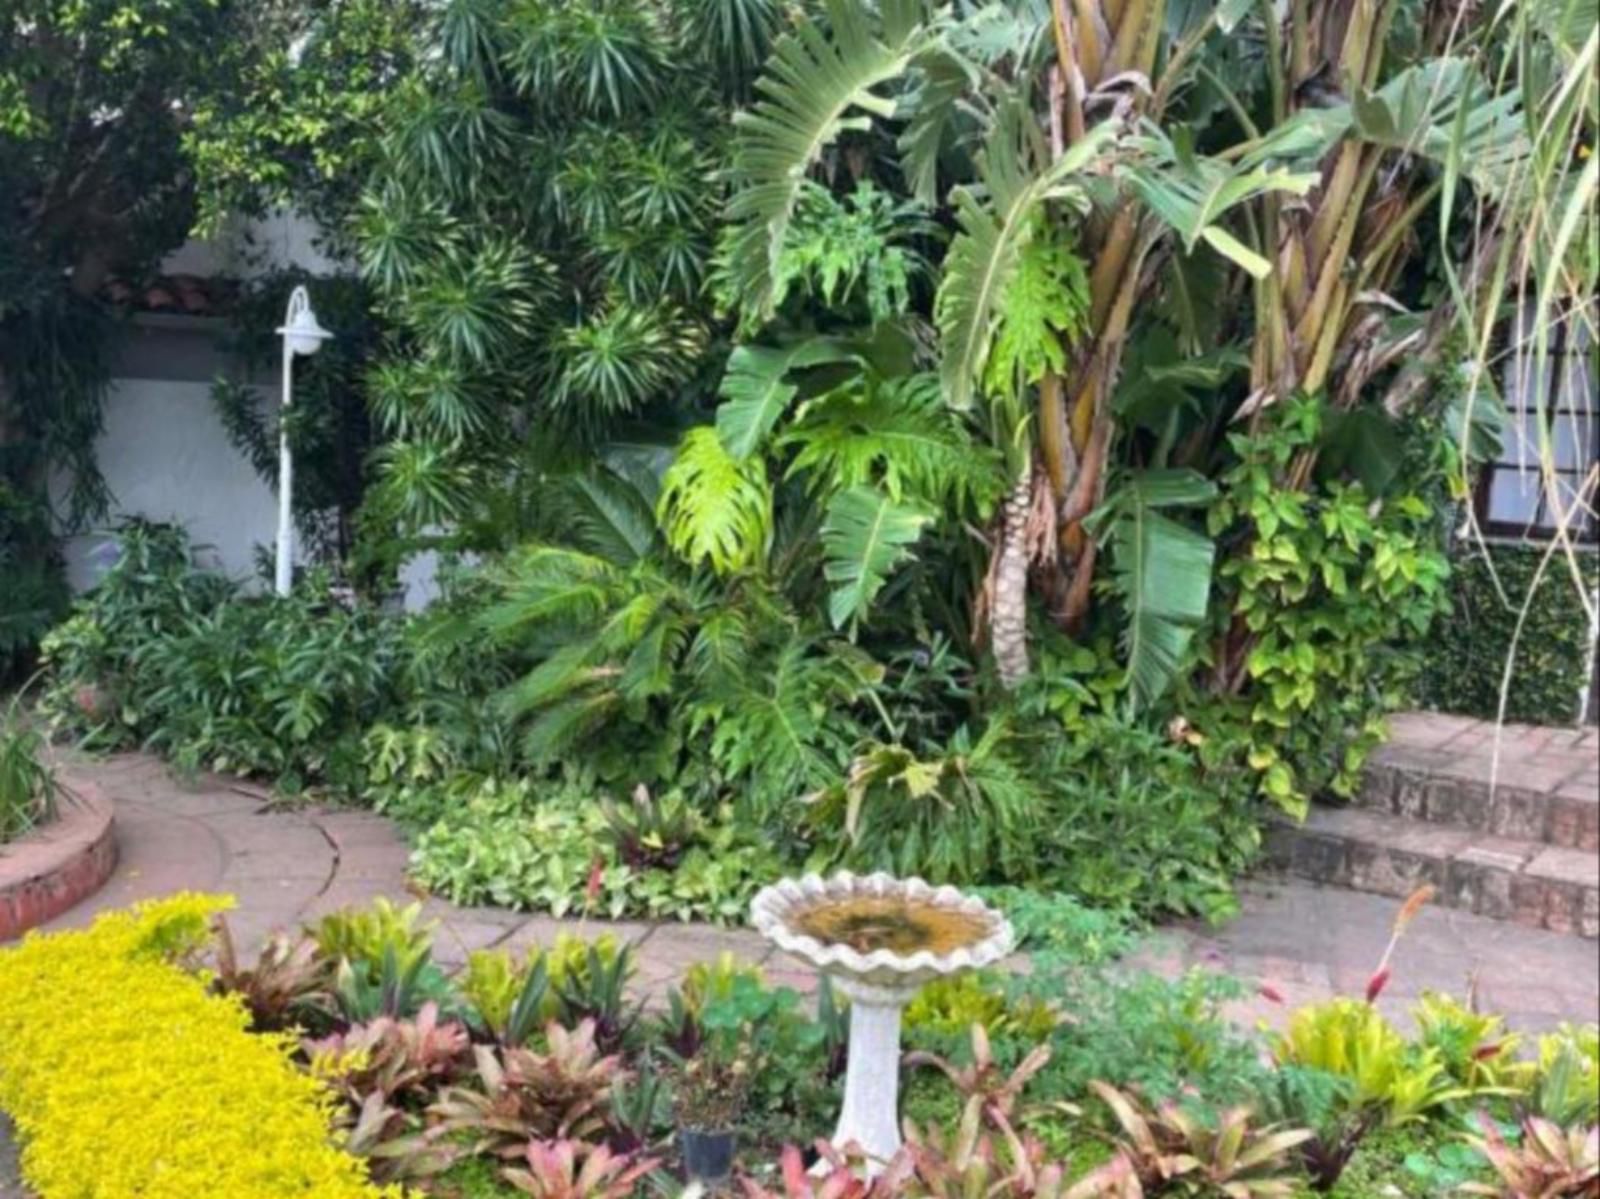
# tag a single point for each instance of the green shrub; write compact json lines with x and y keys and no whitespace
{"x":1329,"y":594}
{"x":549,"y":847}
{"x":1467,"y":659}
{"x":1167,"y":1038}
{"x":1139,"y":821}
{"x":27,"y":784}
{"x":164,"y":654}
{"x":35,"y":594}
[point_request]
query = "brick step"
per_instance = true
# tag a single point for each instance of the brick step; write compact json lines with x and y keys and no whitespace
{"x":1504,"y":878}
{"x":1438,"y":769}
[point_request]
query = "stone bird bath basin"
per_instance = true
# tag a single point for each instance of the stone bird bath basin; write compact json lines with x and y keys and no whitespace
{"x":880,"y":939}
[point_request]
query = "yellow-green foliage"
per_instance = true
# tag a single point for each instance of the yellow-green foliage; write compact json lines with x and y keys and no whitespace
{"x":1569,"y":1073}
{"x":494,"y":978}
{"x":1351,"y":1039}
{"x":126,"y":1078}
{"x":951,"y":1006}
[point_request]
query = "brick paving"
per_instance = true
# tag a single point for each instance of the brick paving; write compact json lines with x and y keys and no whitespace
{"x":288,"y":866}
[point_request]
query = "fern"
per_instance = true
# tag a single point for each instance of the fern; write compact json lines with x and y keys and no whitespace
{"x":712,"y":507}
{"x":1046,"y":304}
{"x":897,"y":434}
{"x":814,"y":82}
{"x":997,"y":221}
{"x":865,"y":536}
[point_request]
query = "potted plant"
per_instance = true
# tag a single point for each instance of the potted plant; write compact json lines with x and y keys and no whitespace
{"x":714,"y":1078}
{"x":711,"y":1092}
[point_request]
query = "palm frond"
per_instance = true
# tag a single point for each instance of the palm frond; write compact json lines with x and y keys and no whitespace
{"x":815,"y":80}
{"x":865,"y":536}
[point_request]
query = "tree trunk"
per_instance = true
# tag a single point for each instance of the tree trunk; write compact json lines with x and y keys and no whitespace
{"x":1008,"y":628}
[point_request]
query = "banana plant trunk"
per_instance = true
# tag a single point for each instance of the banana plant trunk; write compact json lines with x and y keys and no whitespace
{"x":1008,"y":625}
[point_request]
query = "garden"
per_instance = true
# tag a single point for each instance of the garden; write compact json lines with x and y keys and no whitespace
{"x":1016,"y":445}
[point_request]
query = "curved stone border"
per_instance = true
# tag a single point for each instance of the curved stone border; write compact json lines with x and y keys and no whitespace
{"x":58,"y":865}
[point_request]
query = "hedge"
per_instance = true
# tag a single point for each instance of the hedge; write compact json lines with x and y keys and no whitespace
{"x":126,"y":1077}
{"x":1467,"y":660}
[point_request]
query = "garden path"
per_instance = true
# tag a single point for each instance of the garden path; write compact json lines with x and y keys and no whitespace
{"x":287,"y":866}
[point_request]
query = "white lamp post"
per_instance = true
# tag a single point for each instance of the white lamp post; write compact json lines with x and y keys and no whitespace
{"x":302,"y":337}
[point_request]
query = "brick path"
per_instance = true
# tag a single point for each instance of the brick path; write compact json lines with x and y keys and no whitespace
{"x":289,"y":866}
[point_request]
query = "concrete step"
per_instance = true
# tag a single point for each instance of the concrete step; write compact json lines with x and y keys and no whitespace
{"x":1504,"y":878}
{"x":1522,"y":782}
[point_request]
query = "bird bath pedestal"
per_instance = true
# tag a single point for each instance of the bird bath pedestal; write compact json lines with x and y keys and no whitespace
{"x":880,"y":940}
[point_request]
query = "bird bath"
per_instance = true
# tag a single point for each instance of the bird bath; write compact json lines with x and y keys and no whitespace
{"x":880,"y":940}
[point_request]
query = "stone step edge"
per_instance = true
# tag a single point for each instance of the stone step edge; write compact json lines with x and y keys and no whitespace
{"x":1523,"y":881}
{"x":1567,"y":817}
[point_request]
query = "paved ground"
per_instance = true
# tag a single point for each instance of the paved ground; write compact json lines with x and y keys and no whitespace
{"x":287,"y":867}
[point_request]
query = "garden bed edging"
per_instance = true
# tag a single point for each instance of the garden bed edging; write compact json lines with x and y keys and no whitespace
{"x":60,"y":863}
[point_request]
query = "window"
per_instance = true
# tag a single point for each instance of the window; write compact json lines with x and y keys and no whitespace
{"x":1515,"y":498}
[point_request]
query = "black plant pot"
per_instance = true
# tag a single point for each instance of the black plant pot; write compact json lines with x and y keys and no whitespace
{"x":707,"y":1156}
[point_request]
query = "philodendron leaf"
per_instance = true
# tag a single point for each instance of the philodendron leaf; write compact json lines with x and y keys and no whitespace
{"x":997,"y":222}
{"x":824,"y":77}
{"x":756,"y":390}
{"x":865,"y":535}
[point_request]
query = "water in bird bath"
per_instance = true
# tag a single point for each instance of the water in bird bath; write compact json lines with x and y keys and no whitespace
{"x":868,"y":923}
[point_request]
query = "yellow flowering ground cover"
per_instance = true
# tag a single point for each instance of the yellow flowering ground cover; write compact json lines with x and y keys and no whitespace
{"x":127,"y":1079}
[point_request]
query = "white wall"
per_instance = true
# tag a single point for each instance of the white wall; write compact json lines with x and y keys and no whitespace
{"x":165,"y":456}
{"x":246,"y":248}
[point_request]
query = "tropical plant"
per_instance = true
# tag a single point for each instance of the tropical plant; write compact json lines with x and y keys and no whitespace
{"x":588,"y":286}
{"x":1477,"y":1050}
{"x":287,"y":987}
{"x":520,"y":1095}
{"x":393,"y":1147}
{"x":554,"y":1171}
{"x":1550,"y":1161}
{"x":1567,"y":1089}
{"x":962,"y":817}
{"x":392,"y":1058}
{"x":27,"y":783}
{"x":995,"y":1092}
{"x":1175,"y":1151}
{"x":1349,"y":1039}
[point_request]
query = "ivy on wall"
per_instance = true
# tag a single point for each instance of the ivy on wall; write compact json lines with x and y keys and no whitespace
{"x":1468,"y":660}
